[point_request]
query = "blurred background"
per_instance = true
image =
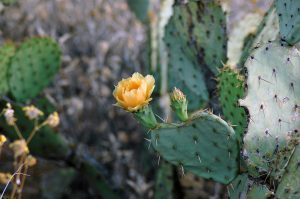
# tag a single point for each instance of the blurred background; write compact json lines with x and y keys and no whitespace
{"x":102,"y":41}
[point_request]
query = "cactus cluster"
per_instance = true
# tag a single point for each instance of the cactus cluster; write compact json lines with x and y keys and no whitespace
{"x":256,"y":151}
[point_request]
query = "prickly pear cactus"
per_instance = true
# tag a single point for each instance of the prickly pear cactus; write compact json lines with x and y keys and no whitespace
{"x":196,"y":43}
{"x":289,"y":20}
{"x":164,"y":182}
{"x":230,"y":90}
{"x":32,"y":67}
{"x":239,"y":187}
{"x":6,"y":52}
{"x":205,"y":145}
{"x":268,"y":30}
{"x":257,"y":191}
{"x":139,"y":8}
{"x":289,"y":185}
{"x":242,"y":187}
{"x":273,"y":103}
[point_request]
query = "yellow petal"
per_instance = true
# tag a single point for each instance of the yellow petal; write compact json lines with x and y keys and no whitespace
{"x":150,"y":84}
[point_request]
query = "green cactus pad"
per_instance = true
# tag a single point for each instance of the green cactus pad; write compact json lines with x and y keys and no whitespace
{"x":33,"y":67}
{"x":258,"y":191}
{"x":289,"y":185}
{"x":6,"y":52}
{"x":273,"y":103}
{"x":195,"y":38}
{"x":289,"y":20}
{"x":231,"y":89}
{"x":268,"y":30}
{"x":164,"y":181}
{"x":139,"y":8}
{"x":204,"y":145}
{"x":239,"y":187}
{"x":242,"y":187}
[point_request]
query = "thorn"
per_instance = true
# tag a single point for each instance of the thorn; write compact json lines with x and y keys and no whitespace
{"x":158,"y":160}
{"x":182,"y":169}
{"x":284,"y":100}
{"x":160,"y":118}
{"x":149,"y":131}
{"x":260,"y":78}
{"x":276,"y":97}
{"x":261,"y":108}
{"x":267,"y":132}
{"x":292,"y":86}
{"x":148,"y":140}
{"x":198,"y":156}
{"x":231,"y":186}
{"x":155,"y":141}
{"x":274,"y":73}
{"x":228,"y":192}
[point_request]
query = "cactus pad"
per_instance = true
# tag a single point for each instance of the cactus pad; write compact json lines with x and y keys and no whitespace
{"x":139,"y":8}
{"x":239,"y":187}
{"x":205,"y":145}
{"x":32,"y":68}
{"x":231,"y":89}
{"x":268,"y":30}
{"x":164,"y":183}
{"x":273,"y":102}
{"x":290,"y":183}
{"x":289,"y":20}
{"x":196,"y":42}
{"x":242,"y":187}
{"x":6,"y":52}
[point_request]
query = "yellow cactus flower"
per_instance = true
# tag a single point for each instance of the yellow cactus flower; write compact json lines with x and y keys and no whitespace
{"x":5,"y":177}
{"x":53,"y":120}
{"x":32,"y":112}
{"x":9,"y":115}
{"x":19,"y":147}
{"x":2,"y":140}
{"x":134,"y":92}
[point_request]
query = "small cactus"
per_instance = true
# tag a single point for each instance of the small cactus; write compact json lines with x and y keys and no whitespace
{"x":231,"y":89}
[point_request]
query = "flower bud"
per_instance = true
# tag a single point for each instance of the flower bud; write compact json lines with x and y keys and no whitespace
{"x":179,"y":104}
